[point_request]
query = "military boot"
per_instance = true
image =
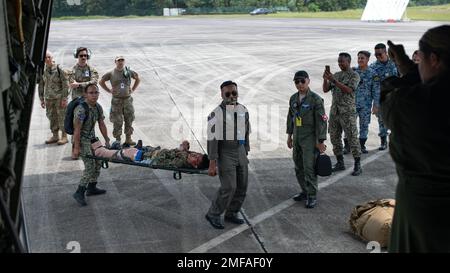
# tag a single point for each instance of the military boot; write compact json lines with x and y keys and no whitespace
{"x":362,"y":141}
{"x":53,"y":139}
{"x":339,"y":166}
{"x":93,"y":190}
{"x":79,"y":195}
{"x":357,"y":169}
{"x":383,"y":145}
{"x":129,"y":141}
{"x":63,"y":139}
{"x":346,"y":147}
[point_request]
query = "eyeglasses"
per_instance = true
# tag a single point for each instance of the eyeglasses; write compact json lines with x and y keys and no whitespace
{"x":378,"y":54}
{"x":228,"y":94}
{"x":82,"y":55}
{"x":303,"y":81}
{"x":120,"y":60}
{"x":93,"y":93}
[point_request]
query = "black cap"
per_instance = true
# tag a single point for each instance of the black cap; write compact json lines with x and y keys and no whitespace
{"x":226,"y":83}
{"x":301,"y":74}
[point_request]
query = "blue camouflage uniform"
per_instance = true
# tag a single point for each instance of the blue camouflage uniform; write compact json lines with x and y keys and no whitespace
{"x":383,"y":71}
{"x":366,"y":94}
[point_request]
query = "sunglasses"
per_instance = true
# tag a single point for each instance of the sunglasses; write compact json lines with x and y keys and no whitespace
{"x":378,"y":54}
{"x":303,"y":81}
{"x":120,"y":60}
{"x":93,"y":93}
{"x":228,"y":94}
{"x":82,"y":55}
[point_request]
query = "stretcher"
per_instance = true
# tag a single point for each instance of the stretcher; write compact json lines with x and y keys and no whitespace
{"x":176,"y":171}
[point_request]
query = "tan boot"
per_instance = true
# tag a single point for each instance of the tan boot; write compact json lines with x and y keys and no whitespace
{"x":63,"y":139}
{"x":129,"y":141}
{"x":53,"y":139}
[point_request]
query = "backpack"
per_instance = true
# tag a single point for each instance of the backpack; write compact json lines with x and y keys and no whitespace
{"x":68,"y":119}
{"x":372,"y":221}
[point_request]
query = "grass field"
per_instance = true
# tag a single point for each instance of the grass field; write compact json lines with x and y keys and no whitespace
{"x":426,"y":13}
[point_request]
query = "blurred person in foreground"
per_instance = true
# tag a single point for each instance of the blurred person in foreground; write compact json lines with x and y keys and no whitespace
{"x":414,"y":107}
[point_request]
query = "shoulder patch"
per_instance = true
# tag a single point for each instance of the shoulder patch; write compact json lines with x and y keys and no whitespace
{"x":81,"y":114}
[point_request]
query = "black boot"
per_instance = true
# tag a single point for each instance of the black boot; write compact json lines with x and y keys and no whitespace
{"x":357,"y":169}
{"x":383,"y":145}
{"x":79,"y":195}
{"x":339,"y":166}
{"x":362,"y":141}
{"x":93,"y":190}
{"x":346,"y":147}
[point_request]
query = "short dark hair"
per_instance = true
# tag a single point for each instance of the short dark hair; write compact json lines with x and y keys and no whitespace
{"x":380,"y":46}
{"x":345,"y":55}
{"x":227,"y":83}
{"x":89,"y":85}
{"x":81,"y":49}
{"x":205,"y":162}
{"x":365,"y":53}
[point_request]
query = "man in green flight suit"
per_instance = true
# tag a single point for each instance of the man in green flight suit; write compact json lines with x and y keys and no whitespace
{"x":307,"y":130}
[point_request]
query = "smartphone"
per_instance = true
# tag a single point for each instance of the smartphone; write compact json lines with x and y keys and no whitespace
{"x":327,"y":68}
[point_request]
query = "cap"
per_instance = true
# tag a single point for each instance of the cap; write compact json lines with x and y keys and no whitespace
{"x":119,"y":58}
{"x":301,"y":74}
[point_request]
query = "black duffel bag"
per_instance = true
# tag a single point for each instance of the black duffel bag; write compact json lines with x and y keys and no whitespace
{"x":323,"y":165}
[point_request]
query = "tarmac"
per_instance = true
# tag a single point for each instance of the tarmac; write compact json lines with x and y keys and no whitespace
{"x":182,"y":62}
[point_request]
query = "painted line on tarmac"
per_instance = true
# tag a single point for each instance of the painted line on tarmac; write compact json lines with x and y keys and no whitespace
{"x":274,"y":210}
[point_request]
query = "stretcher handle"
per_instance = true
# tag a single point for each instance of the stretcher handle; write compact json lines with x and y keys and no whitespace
{"x":105,"y":164}
{"x":177,"y":175}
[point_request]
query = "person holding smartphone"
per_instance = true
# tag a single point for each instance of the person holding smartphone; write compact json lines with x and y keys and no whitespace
{"x":415,"y":109}
{"x":343,"y":111}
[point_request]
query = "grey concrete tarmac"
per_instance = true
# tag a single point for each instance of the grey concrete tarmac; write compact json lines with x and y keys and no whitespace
{"x":182,"y":62}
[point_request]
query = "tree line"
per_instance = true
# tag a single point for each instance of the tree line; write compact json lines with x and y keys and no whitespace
{"x":155,"y":7}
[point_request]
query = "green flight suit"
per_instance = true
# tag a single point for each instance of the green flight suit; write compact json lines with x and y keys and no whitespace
{"x":307,"y":122}
{"x":417,"y":115}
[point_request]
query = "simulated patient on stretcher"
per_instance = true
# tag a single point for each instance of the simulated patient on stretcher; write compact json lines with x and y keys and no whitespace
{"x":180,"y":157}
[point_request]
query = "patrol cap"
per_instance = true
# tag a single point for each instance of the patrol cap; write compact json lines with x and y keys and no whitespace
{"x":120,"y":57}
{"x":301,"y":74}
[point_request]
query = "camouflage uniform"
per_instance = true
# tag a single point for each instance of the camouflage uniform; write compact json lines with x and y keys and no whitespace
{"x":310,"y":130}
{"x":366,"y":94}
{"x":84,"y":75}
{"x":169,"y":158}
{"x":122,"y":103}
{"x":383,"y":71}
{"x":343,"y":114}
{"x":54,"y":88}
{"x":91,"y":167}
